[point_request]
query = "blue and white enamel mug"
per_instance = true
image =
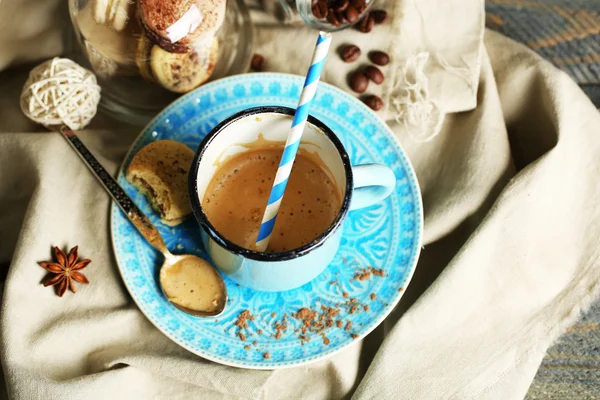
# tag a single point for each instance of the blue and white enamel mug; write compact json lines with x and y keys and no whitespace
{"x":360,"y":186}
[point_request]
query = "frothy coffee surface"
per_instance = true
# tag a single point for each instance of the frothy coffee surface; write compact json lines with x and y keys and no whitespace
{"x":236,"y":197}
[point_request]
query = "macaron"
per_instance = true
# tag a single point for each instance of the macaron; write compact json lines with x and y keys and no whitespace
{"x":111,"y":53}
{"x":176,"y":25}
{"x":113,"y":13}
{"x":182,"y":72}
{"x":177,"y":72}
{"x":142,"y":58}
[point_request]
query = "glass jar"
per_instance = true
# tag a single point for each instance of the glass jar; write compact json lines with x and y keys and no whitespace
{"x":143,"y":61}
{"x":326,"y":15}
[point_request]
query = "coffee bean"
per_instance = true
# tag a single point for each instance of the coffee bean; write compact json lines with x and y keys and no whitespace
{"x":374,"y":74}
{"x":379,"y":16}
{"x":379,"y":58}
{"x":340,"y":5}
{"x":341,"y":17}
{"x":374,"y":102}
{"x":358,"y":82}
{"x":316,"y":13}
{"x":350,"y":53}
{"x":351,"y":14}
{"x":332,"y":18}
{"x":367,"y":23}
{"x":360,"y":5}
{"x":320,"y":10}
{"x":257,"y":63}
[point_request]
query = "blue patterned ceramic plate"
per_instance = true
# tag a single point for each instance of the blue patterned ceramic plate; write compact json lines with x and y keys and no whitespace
{"x":386,"y":236}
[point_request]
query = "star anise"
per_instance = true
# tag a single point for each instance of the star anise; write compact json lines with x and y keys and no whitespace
{"x":64,"y":270}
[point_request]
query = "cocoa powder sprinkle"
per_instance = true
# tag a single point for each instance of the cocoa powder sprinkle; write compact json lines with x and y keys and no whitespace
{"x":267,"y":355}
{"x":339,"y":323}
{"x":373,"y":296}
{"x":348,"y":325}
{"x":242,"y":337}
{"x":246,"y":347}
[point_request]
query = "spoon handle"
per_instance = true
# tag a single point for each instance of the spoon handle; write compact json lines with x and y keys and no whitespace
{"x":135,"y":215}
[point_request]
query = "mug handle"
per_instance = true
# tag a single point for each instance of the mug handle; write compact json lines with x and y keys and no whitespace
{"x":372,"y":183}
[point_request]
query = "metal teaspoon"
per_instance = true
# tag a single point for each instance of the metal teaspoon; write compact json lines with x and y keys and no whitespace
{"x":175,"y":268}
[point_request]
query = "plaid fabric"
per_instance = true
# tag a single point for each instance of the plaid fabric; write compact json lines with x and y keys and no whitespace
{"x":566,"y":32}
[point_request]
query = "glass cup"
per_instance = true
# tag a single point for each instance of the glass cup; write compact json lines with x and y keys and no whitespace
{"x":140,"y":75}
{"x":361,"y":186}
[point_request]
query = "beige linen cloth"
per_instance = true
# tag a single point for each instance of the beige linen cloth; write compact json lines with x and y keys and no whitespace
{"x":511,"y":238}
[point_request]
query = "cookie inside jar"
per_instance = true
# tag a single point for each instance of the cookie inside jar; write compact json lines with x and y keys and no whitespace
{"x":145,"y":53}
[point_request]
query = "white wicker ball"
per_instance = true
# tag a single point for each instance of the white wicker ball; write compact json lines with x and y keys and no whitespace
{"x":58,"y":92}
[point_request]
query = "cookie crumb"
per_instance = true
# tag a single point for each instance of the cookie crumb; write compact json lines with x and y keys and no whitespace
{"x":307,"y":317}
{"x":303,"y":339}
{"x":363,"y":275}
{"x":267,"y":355}
{"x":316,"y":319}
{"x":280,"y":326}
{"x":330,"y":312}
{"x":243,"y":319}
{"x":246,"y":347}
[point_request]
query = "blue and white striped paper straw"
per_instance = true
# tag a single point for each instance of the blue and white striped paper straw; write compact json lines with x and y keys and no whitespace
{"x":293,"y":140}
